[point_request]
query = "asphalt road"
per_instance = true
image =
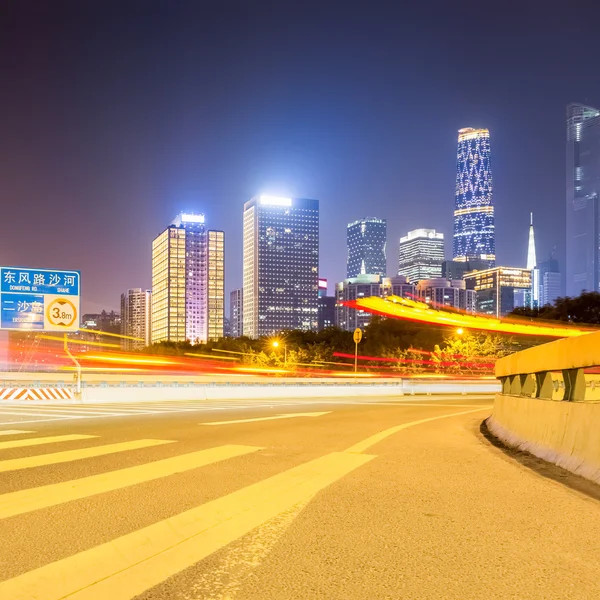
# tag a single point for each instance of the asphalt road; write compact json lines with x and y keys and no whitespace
{"x":382,"y":500}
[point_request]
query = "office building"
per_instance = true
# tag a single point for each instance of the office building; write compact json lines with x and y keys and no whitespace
{"x":281,"y":264}
{"x":550,"y":281}
{"x":135,"y":318}
{"x":236,"y":313}
{"x":583,"y":187}
{"x":454,"y":269}
{"x":447,"y":292}
{"x":496,"y":288}
{"x":366,"y":286}
{"x":325,"y":307}
{"x":421,"y":254}
{"x":473,"y":208}
{"x":188,"y":282}
{"x":366,"y":241}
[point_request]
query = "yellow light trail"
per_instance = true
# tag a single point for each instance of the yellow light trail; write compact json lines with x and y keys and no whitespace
{"x":210,"y":356}
{"x":117,"y":335}
{"x":82,"y":342}
{"x":404,"y":308}
{"x":127,"y":360}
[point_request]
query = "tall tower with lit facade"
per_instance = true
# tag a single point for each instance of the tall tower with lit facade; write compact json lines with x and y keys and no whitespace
{"x":281,"y":265}
{"x":473,"y":209}
{"x":188,"y":282}
{"x":366,"y":239}
{"x":583,"y":202}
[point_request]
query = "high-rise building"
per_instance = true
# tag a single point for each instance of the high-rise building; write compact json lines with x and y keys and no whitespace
{"x":281,"y":264}
{"x":236,"y":313}
{"x":366,"y":241}
{"x":532,"y":298}
{"x":473,"y":209}
{"x":135,"y":318}
{"x":550,"y":281}
{"x":325,"y":307}
{"x":365,"y":286}
{"x":447,"y":292}
{"x":421,"y":254}
{"x":583,"y":210}
{"x":187,"y":282}
{"x":454,"y":269}
{"x":496,"y":288}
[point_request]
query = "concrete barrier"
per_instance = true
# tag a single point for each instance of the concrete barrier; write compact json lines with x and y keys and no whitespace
{"x":564,"y":433}
{"x":548,"y":405}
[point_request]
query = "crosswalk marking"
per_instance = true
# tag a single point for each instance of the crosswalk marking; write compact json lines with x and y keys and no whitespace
{"x":44,"y":440}
{"x":70,"y":455}
{"x":14,"y":432}
{"x":23,"y":501}
{"x":129,"y":565}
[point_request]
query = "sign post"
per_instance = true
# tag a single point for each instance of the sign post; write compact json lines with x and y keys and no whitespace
{"x":41,"y":300}
{"x":357,"y":337}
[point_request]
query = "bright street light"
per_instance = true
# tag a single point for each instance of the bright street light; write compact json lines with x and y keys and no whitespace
{"x":460,"y":331}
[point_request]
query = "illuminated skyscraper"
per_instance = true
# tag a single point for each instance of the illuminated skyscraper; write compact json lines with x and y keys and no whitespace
{"x":135,"y":318}
{"x":583,"y":188}
{"x":188,"y":282}
{"x":366,"y":240}
{"x":473,"y":209}
{"x":281,"y":263}
{"x":533,"y":296}
{"x":421,"y":254}
{"x":235,"y":313}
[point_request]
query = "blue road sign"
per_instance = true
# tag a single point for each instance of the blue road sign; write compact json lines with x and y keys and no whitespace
{"x":39,"y":299}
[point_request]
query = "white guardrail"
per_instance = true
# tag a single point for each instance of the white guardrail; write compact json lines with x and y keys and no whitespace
{"x":56,"y":387}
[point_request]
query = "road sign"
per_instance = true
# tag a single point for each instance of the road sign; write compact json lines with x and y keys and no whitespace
{"x":357,"y":335}
{"x":39,"y":299}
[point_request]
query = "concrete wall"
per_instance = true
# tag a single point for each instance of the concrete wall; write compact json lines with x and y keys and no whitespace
{"x":564,"y":433}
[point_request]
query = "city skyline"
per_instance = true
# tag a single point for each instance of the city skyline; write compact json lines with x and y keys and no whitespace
{"x":111,"y":149}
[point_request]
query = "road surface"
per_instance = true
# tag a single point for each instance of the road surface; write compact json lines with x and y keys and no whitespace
{"x":386,"y":499}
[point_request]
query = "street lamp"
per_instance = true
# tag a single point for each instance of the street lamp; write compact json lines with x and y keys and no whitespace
{"x":275,"y":344}
{"x":460,"y":331}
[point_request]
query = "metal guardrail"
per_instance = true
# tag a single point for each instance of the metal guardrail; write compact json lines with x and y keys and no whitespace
{"x":560,"y":370}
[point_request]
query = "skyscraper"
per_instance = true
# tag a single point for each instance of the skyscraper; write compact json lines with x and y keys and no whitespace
{"x":135,"y":318}
{"x":366,"y":240}
{"x":281,"y":264}
{"x":187,"y":282}
{"x":550,"y":281}
{"x":498,"y":288}
{"x":473,"y":209}
{"x":533,"y":296}
{"x":421,"y":254}
{"x":583,"y":187}
{"x":236,"y":313}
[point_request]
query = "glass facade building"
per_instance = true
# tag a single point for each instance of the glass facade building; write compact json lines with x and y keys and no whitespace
{"x":135,"y":318}
{"x":188,"y":282}
{"x":583,"y":189}
{"x":281,"y":264}
{"x":447,"y":292}
{"x":474,"y":237}
{"x":366,"y":241}
{"x":366,"y":286}
{"x":496,"y":288}
{"x":421,"y":254}
{"x":236,"y":313}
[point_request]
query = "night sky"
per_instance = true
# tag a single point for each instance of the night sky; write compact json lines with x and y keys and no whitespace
{"x":118,"y":115}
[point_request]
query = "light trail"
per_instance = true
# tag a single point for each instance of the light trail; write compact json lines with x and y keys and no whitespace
{"x":403,"y":308}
